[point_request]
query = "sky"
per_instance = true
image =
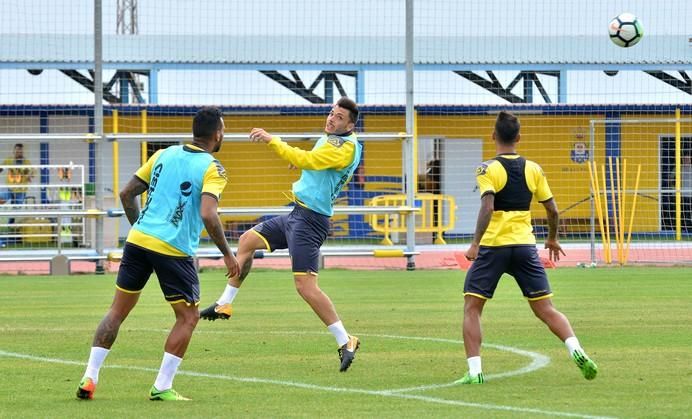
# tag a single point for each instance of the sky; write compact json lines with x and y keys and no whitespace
{"x":379,"y":19}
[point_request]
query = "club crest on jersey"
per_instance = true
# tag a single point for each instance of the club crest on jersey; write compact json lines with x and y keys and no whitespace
{"x":335,"y":140}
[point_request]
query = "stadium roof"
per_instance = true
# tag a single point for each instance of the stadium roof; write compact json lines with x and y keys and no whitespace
{"x":75,"y":51}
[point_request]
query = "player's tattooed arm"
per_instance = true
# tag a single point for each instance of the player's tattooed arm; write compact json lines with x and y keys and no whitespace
{"x":128,"y":197}
{"x":212,"y":222}
{"x":553,"y":217}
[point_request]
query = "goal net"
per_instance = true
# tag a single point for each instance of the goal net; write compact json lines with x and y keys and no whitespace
{"x":583,"y":102}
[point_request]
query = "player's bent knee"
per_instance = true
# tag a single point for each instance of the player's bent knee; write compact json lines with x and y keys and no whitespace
{"x":250,"y":241}
{"x":306,"y":284}
{"x":191,"y":321}
{"x":543,"y":309}
{"x":187,"y":315}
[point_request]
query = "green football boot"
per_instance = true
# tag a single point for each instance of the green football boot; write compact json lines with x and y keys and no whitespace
{"x":588,"y":368}
{"x":471,"y":379}
{"x":166,"y":395}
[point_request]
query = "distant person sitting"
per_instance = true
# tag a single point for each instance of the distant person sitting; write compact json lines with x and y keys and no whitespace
{"x":17,"y":176}
{"x":16,"y":195}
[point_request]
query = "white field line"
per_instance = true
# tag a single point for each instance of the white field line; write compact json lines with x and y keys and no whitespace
{"x":314,"y":387}
{"x":537,"y":362}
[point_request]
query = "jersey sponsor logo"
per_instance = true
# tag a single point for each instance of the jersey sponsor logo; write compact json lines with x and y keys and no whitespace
{"x":152,"y":188}
{"x":186,"y":188}
{"x":177,"y":215}
{"x":185,"y":191}
{"x":335,"y":140}
{"x":220,"y":169}
{"x":340,"y":184}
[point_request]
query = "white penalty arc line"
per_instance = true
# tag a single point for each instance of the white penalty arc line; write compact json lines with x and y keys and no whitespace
{"x":538,"y":361}
{"x":316,"y":387}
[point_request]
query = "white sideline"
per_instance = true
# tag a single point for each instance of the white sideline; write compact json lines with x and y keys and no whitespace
{"x":538,"y":361}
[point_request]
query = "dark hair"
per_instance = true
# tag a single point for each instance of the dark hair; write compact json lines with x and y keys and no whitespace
{"x":506,"y":127}
{"x":19,"y":145}
{"x":347,"y":103}
{"x":206,"y":122}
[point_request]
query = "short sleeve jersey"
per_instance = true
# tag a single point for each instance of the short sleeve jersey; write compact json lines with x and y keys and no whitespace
{"x":511,"y":225}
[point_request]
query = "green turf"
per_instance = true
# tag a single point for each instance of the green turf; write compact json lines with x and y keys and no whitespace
{"x":275,"y":359}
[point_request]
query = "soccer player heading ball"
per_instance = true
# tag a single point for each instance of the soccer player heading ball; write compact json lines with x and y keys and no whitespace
{"x":325,"y":170}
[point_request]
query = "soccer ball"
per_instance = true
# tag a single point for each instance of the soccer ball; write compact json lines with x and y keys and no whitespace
{"x":625,"y":30}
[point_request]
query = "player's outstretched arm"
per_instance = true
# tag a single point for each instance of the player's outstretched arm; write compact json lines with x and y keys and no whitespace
{"x":335,"y":155}
{"x":212,"y":223}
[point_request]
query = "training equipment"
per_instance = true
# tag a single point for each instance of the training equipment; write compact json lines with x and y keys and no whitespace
{"x":86,"y":389}
{"x":347,"y":352}
{"x":166,"y":395}
{"x":215,"y":311}
{"x":625,"y":30}
{"x":618,"y":201}
{"x":588,"y":368}
{"x":471,"y":379}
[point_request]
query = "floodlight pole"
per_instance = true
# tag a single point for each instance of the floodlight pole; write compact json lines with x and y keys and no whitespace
{"x":98,"y":127}
{"x":409,"y":143}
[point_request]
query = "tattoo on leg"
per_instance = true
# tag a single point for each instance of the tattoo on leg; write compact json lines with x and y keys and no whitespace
{"x":245,"y":269}
{"x":106,"y":332}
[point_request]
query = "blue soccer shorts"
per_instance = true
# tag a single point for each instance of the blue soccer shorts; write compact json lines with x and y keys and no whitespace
{"x":521,"y":262}
{"x":302,"y":231}
{"x":177,"y":275}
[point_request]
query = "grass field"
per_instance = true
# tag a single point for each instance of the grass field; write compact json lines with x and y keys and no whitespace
{"x":275,"y":359}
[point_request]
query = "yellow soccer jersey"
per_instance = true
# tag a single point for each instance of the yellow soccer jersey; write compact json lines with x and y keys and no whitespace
{"x":513,"y":226}
{"x":213,"y":184}
{"x":325,"y":156}
{"x":325,"y":169}
{"x":18,"y":175}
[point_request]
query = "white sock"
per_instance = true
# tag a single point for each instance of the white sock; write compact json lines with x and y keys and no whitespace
{"x":572,"y":344}
{"x":96,"y":358}
{"x":169,"y":366}
{"x":228,"y":295}
{"x":474,"y":365}
{"x":339,"y":333}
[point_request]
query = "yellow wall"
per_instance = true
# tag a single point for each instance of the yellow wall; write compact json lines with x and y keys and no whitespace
{"x":640,"y":145}
{"x":548,"y":140}
{"x":383,"y":158}
{"x":256,"y":174}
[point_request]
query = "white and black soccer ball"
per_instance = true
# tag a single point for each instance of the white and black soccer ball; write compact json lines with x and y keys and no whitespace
{"x":625,"y":30}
